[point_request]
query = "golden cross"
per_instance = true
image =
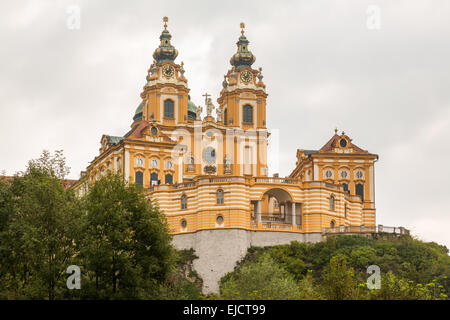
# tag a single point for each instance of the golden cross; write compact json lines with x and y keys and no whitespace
{"x":242,"y":27}
{"x":165,"y":19}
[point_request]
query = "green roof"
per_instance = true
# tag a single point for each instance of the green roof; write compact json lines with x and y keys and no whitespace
{"x":114,"y":140}
{"x":138,"y":113}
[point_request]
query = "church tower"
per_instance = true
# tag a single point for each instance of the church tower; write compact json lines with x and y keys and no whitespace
{"x":243,"y":97}
{"x":243,"y":104}
{"x":165,"y":96}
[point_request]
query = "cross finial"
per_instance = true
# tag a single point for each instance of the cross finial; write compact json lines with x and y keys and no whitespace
{"x":165,"y":19}
{"x":206,"y":95}
{"x":242,"y":27}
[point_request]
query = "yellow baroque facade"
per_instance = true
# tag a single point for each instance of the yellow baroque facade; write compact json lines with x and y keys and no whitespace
{"x":209,"y":175}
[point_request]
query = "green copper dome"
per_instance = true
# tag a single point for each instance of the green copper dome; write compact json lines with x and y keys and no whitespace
{"x":138,"y":113}
{"x":166,"y":51}
{"x":243,"y":57}
{"x":191,"y":109}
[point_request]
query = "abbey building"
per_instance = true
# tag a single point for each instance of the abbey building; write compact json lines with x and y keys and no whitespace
{"x":209,"y":173}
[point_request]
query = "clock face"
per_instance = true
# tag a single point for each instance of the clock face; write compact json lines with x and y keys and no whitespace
{"x":246,"y":76}
{"x":168,"y":71}
{"x":209,"y":155}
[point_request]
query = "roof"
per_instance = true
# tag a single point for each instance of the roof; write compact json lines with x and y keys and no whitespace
{"x":137,"y":132}
{"x":138,"y":113}
{"x":67,"y":182}
{"x":328,"y":147}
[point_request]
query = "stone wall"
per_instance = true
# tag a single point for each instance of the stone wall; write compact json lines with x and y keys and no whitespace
{"x":219,"y":250}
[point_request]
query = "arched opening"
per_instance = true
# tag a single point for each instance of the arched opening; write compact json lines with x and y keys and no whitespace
{"x":332,"y":224}
{"x":360,"y":191}
{"x":345,"y":187}
{"x":183,"y":202}
{"x":276,"y":207}
{"x":168,"y":178}
{"x":139,"y":178}
{"x":248,"y":114}
{"x":219,"y":196}
{"x":332,"y":203}
{"x":168,"y":109}
{"x":153,"y":179}
{"x":225,"y":116}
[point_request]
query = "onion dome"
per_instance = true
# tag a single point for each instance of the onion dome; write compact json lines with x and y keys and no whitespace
{"x":192,"y":113}
{"x":166,"y":51}
{"x":243,"y":57}
{"x":138,"y":113}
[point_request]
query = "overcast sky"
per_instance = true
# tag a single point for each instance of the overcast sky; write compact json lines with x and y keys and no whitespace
{"x":326,"y":64}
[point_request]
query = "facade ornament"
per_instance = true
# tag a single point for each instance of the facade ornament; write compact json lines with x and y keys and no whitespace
{"x":190,"y":161}
{"x":209,"y":107}
{"x":260,"y":76}
{"x":219,"y":113}
{"x":182,"y":71}
{"x":225,"y":83}
{"x":227,"y":164}
{"x":198,"y":112}
{"x":153,"y":68}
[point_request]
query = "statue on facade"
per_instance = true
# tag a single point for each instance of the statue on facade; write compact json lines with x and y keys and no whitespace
{"x":190,"y":162}
{"x":209,"y":107}
{"x":227,"y":164}
{"x":219,"y":113}
{"x":198,"y":112}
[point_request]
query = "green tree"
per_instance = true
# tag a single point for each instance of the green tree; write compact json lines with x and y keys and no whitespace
{"x":338,"y":279}
{"x":40,"y":226}
{"x":262,"y":279}
{"x":125,"y":251}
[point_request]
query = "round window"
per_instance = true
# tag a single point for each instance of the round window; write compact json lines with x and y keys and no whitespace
{"x":219,"y":219}
{"x":183,"y":223}
{"x":328,"y":174}
{"x":209,"y":154}
{"x":359,"y":174}
{"x":154,"y":131}
{"x":343,"y":143}
{"x":344,"y":174}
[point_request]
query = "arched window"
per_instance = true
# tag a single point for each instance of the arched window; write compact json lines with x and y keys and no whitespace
{"x":220,"y":196}
{"x":169,"y":179}
{"x":168,"y":109}
{"x":345,"y":187}
{"x":225,"y":116}
{"x":360,"y":191}
{"x":153,"y":179}
{"x":332,"y":224}
{"x":183,"y":202}
{"x":139,"y":178}
{"x":248,"y":114}
{"x":332,"y":203}
{"x":345,"y":210}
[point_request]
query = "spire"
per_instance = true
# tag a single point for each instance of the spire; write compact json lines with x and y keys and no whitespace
{"x":243,"y":57}
{"x":166,"y":51}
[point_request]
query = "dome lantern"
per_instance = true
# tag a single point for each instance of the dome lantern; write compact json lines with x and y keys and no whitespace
{"x":166,"y":51}
{"x":243,"y":57}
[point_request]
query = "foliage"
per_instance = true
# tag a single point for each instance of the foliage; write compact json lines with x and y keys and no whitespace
{"x":126,"y":245}
{"x":183,"y":283}
{"x":120,"y":242}
{"x":39,"y":225}
{"x":337,"y":268}
{"x":261,"y":279}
